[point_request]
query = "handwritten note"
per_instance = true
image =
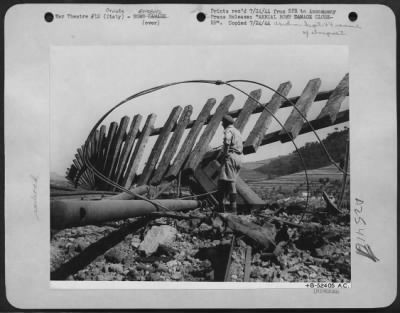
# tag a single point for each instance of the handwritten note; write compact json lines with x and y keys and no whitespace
{"x":34,"y":195}
{"x":361,"y":245}
{"x":311,"y":22}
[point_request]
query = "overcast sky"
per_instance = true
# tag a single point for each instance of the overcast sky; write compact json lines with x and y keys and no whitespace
{"x":86,"y":81}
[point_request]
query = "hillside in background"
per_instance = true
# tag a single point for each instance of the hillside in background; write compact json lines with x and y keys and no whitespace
{"x":255,"y":164}
{"x":312,"y":153}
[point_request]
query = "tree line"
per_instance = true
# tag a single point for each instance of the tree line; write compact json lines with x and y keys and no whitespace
{"x":312,"y":153}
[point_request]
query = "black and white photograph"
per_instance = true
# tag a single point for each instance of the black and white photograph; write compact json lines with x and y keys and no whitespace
{"x":240,"y":176}
{"x":201,"y":156}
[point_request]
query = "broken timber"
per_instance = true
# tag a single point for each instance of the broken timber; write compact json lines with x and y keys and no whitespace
{"x":295,"y":121}
{"x":207,"y":176}
{"x":138,"y":152}
{"x":263,"y":235}
{"x":190,"y":140}
{"x":172,"y":145}
{"x":128,"y":146}
{"x":159,"y":145}
{"x":201,"y":147}
{"x":253,"y":141}
{"x":118,"y":151}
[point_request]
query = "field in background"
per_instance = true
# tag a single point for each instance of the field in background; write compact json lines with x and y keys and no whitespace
{"x":328,"y":179}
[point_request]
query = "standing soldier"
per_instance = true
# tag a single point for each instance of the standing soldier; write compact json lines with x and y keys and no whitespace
{"x":231,"y":161}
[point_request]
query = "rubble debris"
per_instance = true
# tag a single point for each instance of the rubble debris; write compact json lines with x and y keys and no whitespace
{"x":283,"y":249}
{"x":156,"y":236}
{"x":114,"y":255}
{"x":265,"y":235}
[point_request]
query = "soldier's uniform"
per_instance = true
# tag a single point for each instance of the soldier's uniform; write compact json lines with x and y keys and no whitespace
{"x":231,"y":162}
{"x":232,"y":149}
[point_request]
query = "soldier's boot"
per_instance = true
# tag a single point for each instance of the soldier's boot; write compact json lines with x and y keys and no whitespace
{"x":233,"y":203}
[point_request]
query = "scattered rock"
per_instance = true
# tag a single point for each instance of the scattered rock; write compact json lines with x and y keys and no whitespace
{"x":82,"y":244}
{"x":183,"y":226}
{"x":176,"y":276}
{"x":157,"y":235}
{"x":114,"y":255}
{"x":81,"y":275}
{"x":117,"y":268}
{"x":205,"y":228}
{"x":155,"y":276}
{"x":132,"y":275}
{"x":166,"y":250}
{"x":135,"y":242}
{"x":196,"y":248}
{"x":172,"y":263}
{"x":162,"y":267}
{"x":315,"y":268}
{"x":103,"y":277}
{"x":195,"y":222}
{"x":256,"y":272}
{"x":294,"y":268}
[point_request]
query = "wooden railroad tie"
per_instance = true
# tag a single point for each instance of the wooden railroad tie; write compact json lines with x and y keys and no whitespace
{"x":117,"y":150}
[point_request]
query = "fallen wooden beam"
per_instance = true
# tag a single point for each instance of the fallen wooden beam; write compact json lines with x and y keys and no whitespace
{"x":295,"y":121}
{"x":88,"y":173}
{"x":190,"y":140}
{"x":108,"y":143}
{"x":159,"y":145}
{"x":335,"y":100}
{"x":248,"y":108}
{"x":317,"y":124}
{"x":128,"y":147}
{"x":93,"y":145}
{"x":321,"y":96}
{"x":138,"y":152}
{"x":212,"y":170}
{"x":116,"y":146}
{"x":79,"y":178}
{"x":253,"y":141}
{"x":100,"y":147}
{"x":265,"y":236}
{"x":88,"y":177}
{"x":172,"y":146}
{"x":202,"y":145}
